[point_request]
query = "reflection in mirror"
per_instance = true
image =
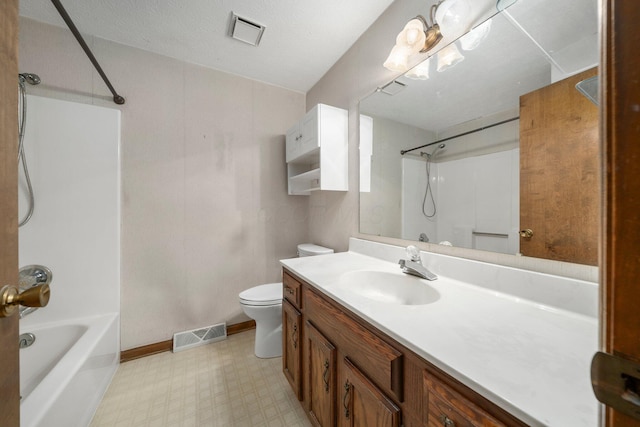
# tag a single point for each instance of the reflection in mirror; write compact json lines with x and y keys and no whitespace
{"x":458,"y":125}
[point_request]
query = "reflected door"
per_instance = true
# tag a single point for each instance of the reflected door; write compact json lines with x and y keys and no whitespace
{"x":559,"y":173}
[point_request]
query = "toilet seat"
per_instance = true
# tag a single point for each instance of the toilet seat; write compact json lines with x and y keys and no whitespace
{"x":269,"y":294}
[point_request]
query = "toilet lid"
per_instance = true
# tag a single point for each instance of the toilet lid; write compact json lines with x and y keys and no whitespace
{"x":269,"y":294}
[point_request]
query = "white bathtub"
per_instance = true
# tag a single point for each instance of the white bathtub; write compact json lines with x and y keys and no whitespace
{"x":66,"y":371}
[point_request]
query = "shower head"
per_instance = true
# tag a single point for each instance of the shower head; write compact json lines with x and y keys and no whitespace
{"x":32,"y":79}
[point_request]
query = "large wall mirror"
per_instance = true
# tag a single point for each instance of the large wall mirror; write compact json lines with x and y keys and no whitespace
{"x":495,"y":151}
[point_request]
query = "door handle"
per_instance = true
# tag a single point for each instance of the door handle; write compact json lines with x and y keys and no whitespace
{"x":616,"y":383}
{"x":11,"y":298}
{"x":527,"y":233}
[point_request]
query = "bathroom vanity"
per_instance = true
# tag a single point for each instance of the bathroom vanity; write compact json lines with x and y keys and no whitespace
{"x":364,"y":344}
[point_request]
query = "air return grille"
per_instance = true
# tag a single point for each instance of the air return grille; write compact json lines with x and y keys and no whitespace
{"x":197,"y":337}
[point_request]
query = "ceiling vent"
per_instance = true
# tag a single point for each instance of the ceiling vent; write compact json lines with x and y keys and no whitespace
{"x":392,"y":87}
{"x":244,"y":30}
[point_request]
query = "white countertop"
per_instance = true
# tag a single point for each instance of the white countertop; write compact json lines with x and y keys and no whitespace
{"x":531,"y":359}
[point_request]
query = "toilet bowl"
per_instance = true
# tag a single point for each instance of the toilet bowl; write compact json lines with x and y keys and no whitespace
{"x":263,"y":304}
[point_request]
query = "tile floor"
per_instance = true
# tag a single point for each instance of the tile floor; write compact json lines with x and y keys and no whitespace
{"x":219,"y":384}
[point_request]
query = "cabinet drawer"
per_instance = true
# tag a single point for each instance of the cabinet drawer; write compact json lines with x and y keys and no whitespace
{"x":377,"y":359}
{"x":446,"y":407}
{"x":291,"y":290}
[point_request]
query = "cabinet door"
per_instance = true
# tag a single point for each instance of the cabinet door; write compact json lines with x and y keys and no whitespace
{"x":363,"y":404}
{"x":292,"y":142}
{"x":309,"y":140}
{"x":291,"y":347}
{"x":321,"y":378}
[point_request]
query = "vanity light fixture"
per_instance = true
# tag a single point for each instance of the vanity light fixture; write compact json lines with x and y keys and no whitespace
{"x":416,"y":37}
{"x":473,"y":38}
{"x":420,"y":71}
{"x":453,"y":16}
{"x":448,"y":57}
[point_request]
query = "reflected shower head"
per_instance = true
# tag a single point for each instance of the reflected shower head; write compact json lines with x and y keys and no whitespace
{"x":428,"y":156}
{"x":32,"y":79}
{"x":439,"y":147}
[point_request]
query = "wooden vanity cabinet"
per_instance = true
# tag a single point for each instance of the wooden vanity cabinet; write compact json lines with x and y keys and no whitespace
{"x":292,"y":346}
{"x":348,"y":373}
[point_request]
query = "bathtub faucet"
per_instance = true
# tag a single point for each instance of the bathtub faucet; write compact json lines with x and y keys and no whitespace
{"x":25,"y":311}
{"x":414,"y":266}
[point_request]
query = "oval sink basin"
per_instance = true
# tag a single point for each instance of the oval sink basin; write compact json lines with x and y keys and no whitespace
{"x":387,"y":287}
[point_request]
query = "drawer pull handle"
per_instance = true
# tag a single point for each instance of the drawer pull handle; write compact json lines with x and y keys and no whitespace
{"x":446,"y":421}
{"x":346,"y":399}
{"x":289,"y":290}
{"x":325,"y":375}
{"x":294,"y":335}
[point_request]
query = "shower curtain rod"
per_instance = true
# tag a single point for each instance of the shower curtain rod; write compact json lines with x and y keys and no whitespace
{"x":403,"y":152}
{"x":67,"y":19}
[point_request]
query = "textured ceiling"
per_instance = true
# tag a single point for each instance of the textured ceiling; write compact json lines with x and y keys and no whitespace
{"x":303,"y":38}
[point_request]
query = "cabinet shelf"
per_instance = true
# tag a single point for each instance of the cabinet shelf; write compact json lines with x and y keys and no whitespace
{"x":306,"y":176}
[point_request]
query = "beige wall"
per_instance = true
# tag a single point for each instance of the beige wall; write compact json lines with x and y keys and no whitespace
{"x":334,"y":217}
{"x":205,"y":212}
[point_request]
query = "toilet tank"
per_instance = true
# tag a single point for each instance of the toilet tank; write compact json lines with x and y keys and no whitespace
{"x":309,"y":249}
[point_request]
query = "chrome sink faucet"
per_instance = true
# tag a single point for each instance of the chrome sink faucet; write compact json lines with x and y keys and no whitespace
{"x":414,"y":266}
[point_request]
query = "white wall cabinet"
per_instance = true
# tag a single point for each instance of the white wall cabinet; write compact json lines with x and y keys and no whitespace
{"x":317,"y":151}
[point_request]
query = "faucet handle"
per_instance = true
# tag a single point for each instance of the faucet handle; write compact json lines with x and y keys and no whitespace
{"x":413,"y":253}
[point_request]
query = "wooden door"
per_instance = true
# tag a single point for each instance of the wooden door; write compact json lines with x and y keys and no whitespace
{"x":559,"y":173}
{"x":292,"y":347}
{"x":620,"y":255}
{"x":9,"y":377}
{"x":362,"y":403}
{"x":321,"y":378}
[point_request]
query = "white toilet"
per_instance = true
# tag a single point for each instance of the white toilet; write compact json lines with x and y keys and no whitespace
{"x":264,"y":305}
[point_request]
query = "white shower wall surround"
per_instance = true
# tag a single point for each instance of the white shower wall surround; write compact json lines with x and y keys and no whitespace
{"x":474,"y":196}
{"x":73,"y":155}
